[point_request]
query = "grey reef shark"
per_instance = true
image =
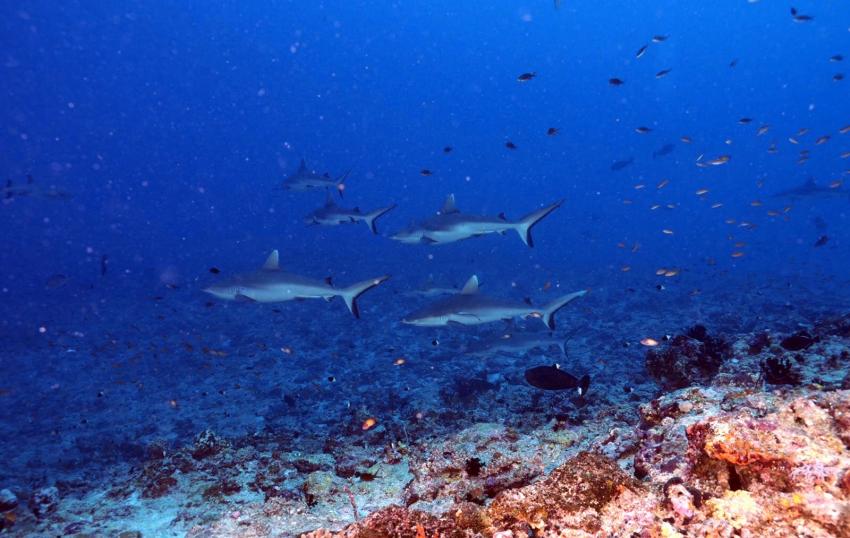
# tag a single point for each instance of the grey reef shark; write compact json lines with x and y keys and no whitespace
{"x":450,"y":225}
{"x":304,"y":180}
{"x":331,"y":214}
{"x":812,"y":190}
{"x":469,"y":307}
{"x":30,"y":190}
{"x":270,"y":284}
{"x":516,"y":343}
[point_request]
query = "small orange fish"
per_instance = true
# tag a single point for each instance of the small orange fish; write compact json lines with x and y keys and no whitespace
{"x":649,"y":342}
{"x":399,"y":361}
{"x":667,"y":231}
{"x":369,"y":423}
{"x":286,"y":350}
{"x":836,"y":184}
{"x":702,"y":192}
{"x":845,"y":129}
{"x":822,"y":140}
{"x":756,"y":203}
{"x":671,"y":273}
{"x":737,"y":254}
{"x":686,"y":139}
{"x":660,"y":271}
{"x":663,"y":183}
{"x":716,"y":205}
{"x":625,"y":268}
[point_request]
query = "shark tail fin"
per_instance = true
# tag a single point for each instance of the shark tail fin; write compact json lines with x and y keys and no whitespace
{"x":548,"y":314}
{"x":370,"y":218}
{"x":353,"y":292}
{"x":525,"y":224}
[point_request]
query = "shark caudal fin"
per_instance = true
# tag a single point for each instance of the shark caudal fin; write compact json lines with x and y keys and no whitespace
{"x":548,"y":314}
{"x":370,"y":218}
{"x":524,"y":225}
{"x":353,"y":292}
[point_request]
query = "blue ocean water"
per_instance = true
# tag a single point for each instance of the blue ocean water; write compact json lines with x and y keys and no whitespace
{"x":158,"y":138}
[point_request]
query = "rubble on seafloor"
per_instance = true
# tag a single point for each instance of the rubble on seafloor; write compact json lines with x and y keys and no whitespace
{"x":755,"y":442}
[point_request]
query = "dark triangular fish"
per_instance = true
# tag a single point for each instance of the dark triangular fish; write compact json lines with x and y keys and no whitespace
{"x":619,"y":165}
{"x":553,"y":378}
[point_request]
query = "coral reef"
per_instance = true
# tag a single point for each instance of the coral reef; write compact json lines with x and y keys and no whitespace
{"x":690,"y":358}
{"x":739,"y":451}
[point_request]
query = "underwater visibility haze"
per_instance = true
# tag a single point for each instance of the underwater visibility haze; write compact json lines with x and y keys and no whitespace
{"x":415,"y":269}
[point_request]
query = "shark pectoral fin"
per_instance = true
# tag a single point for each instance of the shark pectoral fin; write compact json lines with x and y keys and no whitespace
{"x":524,"y":225}
{"x":370,"y":218}
{"x":548,"y":314}
{"x":239,"y":298}
{"x":353,"y":292}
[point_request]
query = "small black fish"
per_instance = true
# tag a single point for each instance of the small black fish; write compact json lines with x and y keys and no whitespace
{"x":447,"y":149}
{"x":745,"y":121}
{"x":553,"y":378}
{"x":56,"y":281}
{"x":510,"y":145}
{"x":643,"y":130}
{"x":641,"y":51}
{"x":838,"y":77}
{"x":552,"y":131}
{"x":525,"y":77}
{"x":663,"y":73}
{"x":733,"y":63}
{"x":616,"y":81}
{"x":659,"y":38}
{"x":619,"y":165}
{"x":104,"y":264}
{"x":666,"y":149}
{"x":836,"y":58}
{"x":215,"y":270}
{"x":821,"y":241}
{"x":425,"y":172}
{"x":798,"y":17}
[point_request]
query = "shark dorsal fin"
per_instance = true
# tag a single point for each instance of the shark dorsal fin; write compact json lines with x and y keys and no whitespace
{"x":272,"y":262}
{"x":449,"y":206}
{"x":471,"y":286}
{"x":303,"y":166}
